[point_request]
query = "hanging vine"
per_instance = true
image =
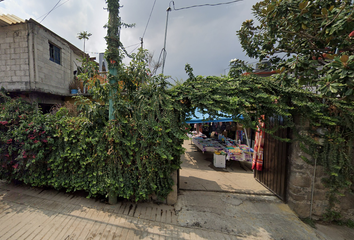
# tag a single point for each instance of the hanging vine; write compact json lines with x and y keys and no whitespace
{"x":309,"y":45}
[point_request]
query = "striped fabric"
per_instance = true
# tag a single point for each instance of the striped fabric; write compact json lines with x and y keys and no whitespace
{"x":258,"y":147}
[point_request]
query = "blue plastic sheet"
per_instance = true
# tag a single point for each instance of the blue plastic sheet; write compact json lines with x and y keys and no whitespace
{"x":202,"y":118}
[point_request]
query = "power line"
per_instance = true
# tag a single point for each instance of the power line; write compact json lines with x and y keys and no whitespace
{"x":132,"y":45}
{"x":152,"y":9}
{"x":55,"y":8}
{"x":50,"y":11}
{"x":163,"y":51}
{"x":134,"y":49}
{"x":164,"y":44}
{"x":203,"y":5}
{"x":184,"y":8}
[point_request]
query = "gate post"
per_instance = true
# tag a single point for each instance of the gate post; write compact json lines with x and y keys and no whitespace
{"x":172,"y":196}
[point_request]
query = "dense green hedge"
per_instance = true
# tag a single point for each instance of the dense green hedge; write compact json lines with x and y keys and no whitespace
{"x":132,"y":156}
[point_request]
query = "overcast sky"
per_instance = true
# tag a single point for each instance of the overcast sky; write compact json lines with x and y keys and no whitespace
{"x":204,"y":37}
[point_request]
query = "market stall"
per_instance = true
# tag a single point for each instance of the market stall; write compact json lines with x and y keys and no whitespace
{"x":226,"y":126}
{"x":223,"y":148}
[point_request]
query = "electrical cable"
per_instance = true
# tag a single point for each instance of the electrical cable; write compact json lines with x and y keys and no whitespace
{"x":50,"y":11}
{"x":152,"y":9}
{"x":132,"y":45}
{"x":54,"y":8}
{"x":184,"y":8}
{"x":164,"y":45}
{"x":134,"y":49}
{"x":158,"y":61}
{"x":203,"y":5}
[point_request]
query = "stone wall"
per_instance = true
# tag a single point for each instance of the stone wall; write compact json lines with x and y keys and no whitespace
{"x":300,"y":186}
{"x":14,"y":65}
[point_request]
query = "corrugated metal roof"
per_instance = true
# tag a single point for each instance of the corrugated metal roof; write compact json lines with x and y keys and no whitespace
{"x":8,"y":19}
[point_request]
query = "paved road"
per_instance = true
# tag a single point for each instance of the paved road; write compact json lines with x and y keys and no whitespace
{"x":246,"y":216}
{"x":31,"y":213}
{"x":232,"y":201}
{"x":198,"y":173}
{"x":227,"y":204}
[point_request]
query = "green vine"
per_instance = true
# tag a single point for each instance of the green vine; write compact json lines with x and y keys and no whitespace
{"x":136,"y":153}
{"x":309,"y":45}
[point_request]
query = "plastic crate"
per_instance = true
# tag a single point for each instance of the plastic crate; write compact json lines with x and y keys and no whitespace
{"x":219,"y":161}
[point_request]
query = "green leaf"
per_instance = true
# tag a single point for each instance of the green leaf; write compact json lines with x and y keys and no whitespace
{"x":302,"y":5}
{"x":349,"y":92}
{"x":324,"y":11}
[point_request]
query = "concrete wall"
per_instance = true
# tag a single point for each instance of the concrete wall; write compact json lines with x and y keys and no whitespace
{"x":51,"y":77}
{"x":300,"y":185}
{"x":25,"y":63}
{"x":172,"y":197}
{"x":14,"y":64}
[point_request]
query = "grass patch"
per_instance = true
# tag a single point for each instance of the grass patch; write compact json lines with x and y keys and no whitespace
{"x":309,"y":221}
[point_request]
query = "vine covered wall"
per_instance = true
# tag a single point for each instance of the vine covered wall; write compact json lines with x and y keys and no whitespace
{"x":133,"y":156}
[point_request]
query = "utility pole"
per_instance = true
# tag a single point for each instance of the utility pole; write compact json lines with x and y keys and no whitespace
{"x":113,"y":31}
{"x":141,"y":42}
{"x":164,"y":44}
{"x":113,"y":42}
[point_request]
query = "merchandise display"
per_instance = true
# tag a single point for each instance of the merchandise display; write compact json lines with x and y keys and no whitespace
{"x":207,"y":145}
{"x":225,"y":147}
{"x":195,"y":134}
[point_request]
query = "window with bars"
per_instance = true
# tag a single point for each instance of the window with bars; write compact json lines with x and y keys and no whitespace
{"x":54,"y":53}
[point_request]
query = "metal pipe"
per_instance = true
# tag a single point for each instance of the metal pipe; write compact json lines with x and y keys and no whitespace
{"x":248,"y":142}
{"x":313,"y":186}
{"x":164,"y":45}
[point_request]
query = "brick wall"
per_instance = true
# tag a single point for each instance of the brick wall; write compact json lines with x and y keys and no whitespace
{"x":300,"y":185}
{"x":14,"y":65}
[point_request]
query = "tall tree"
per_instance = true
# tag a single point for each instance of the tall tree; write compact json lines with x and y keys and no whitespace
{"x":311,"y":34}
{"x":311,"y":45}
{"x":84,"y":35}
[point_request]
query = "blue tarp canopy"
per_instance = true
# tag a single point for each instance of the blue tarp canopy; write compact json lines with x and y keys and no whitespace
{"x":202,"y":118}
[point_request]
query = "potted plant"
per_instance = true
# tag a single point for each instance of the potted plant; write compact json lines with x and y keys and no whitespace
{"x":74,"y":85}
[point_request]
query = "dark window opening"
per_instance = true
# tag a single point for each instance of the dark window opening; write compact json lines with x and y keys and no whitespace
{"x":103,"y":67}
{"x":45,"y":107}
{"x":54,"y":53}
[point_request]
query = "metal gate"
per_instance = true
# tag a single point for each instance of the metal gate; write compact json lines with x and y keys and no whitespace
{"x":275,"y":163}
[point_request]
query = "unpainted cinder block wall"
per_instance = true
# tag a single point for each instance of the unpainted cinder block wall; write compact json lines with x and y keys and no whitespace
{"x":14,"y":64}
{"x":52,"y":77}
{"x":25,"y":63}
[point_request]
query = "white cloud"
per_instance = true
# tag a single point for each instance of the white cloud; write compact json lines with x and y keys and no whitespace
{"x":204,"y":37}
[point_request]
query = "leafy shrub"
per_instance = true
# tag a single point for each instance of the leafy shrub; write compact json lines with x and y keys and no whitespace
{"x":132,"y":156}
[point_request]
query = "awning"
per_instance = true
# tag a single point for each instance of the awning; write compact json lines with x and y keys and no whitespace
{"x":203,"y":118}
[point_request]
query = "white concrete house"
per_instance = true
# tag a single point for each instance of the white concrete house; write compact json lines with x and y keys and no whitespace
{"x":34,"y":61}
